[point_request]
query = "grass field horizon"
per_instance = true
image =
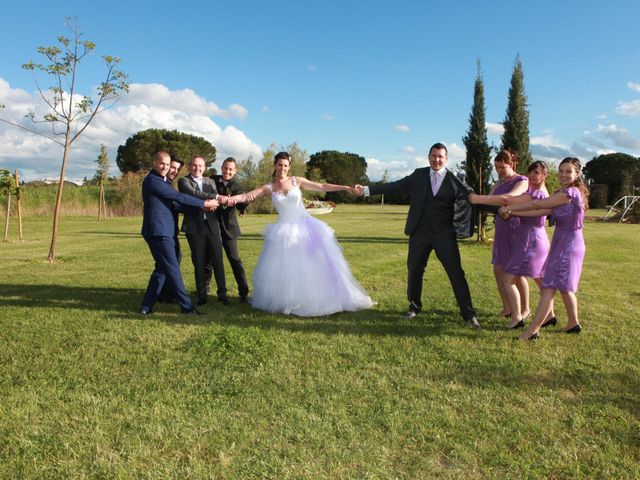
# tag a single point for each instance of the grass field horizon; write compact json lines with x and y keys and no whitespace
{"x":91,"y":389}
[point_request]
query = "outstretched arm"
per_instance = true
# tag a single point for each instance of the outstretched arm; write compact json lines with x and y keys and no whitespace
{"x":249,"y":196}
{"x":555,"y":200}
{"x":541,"y":212}
{"x":499,"y":200}
{"x":323,"y":187}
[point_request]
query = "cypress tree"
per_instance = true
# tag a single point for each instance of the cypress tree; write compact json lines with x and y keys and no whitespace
{"x":477,"y":165}
{"x":516,"y":121}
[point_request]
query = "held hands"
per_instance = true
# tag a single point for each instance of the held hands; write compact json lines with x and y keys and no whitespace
{"x":225,"y":201}
{"x":358,"y":190}
{"x":504,"y":212}
{"x":211,"y":204}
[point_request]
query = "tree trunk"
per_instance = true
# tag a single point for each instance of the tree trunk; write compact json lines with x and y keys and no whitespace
{"x":19,"y":205}
{"x":56,"y":214}
{"x":6,"y":222}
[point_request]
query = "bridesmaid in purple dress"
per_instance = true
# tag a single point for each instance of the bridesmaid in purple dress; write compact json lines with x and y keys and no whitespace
{"x":509,"y":183}
{"x":564,"y":263}
{"x":529,"y":246}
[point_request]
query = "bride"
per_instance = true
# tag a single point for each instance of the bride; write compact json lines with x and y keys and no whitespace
{"x":301,"y":269}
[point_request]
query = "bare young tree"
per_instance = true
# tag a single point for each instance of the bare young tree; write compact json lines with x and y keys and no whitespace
{"x":70,"y":113}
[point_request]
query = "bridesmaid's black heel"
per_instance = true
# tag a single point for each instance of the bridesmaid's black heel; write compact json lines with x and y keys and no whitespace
{"x":520,"y":324}
{"x":575,"y":329}
{"x":552,"y":321}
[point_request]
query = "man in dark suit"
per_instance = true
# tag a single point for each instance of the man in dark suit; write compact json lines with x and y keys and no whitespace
{"x":203,"y":233}
{"x":158,"y":230}
{"x":176,"y":164}
{"x":438,"y":212}
{"x":229,"y":228}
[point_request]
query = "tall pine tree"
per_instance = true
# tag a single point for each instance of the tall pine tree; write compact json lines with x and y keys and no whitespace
{"x":516,"y":122}
{"x":477,"y":165}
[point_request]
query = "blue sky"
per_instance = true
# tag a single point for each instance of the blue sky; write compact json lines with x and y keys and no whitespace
{"x":378,"y":78}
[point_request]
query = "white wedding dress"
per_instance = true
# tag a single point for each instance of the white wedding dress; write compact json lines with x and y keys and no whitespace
{"x":301,"y":270}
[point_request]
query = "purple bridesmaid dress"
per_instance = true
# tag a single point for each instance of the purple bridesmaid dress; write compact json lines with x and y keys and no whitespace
{"x":530,"y":245}
{"x":564,"y":263}
{"x":505,"y":229}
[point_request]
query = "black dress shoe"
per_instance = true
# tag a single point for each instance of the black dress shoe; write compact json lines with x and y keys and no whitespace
{"x":552,"y":321}
{"x":520,"y":324}
{"x":575,"y":329}
{"x":225,"y":301}
{"x":193,"y":311}
{"x":474,"y":323}
{"x":202,"y":300}
{"x":413,"y":311}
{"x":146,"y":310}
{"x":244,"y":299}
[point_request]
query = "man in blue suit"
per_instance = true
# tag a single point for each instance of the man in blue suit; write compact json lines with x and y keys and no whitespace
{"x":166,"y":295}
{"x":158,"y":230}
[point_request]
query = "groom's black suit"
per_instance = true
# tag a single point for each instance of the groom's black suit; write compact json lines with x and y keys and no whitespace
{"x":433,"y":223}
{"x":203,"y":234}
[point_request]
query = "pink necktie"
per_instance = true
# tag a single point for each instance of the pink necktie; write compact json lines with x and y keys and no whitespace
{"x":434,"y":183}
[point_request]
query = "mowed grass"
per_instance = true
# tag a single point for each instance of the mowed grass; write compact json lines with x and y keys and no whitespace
{"x":90,"y":389}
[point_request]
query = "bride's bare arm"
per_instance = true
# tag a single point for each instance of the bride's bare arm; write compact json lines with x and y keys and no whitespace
{"x":322,"y":187}
{"x":250,"y":196}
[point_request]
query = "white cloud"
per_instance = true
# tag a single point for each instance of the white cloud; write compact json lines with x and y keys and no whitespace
{"x":408,"y":149}
{"x":602,"y":116}
{"x":328,"y":117}
{"x":495,"y":128}
{"x":311,"y":68}
{"x":634,"y":86}
{"x":186,"y":99}
{"x":146,"y":106}
{"x":546,"y":140}
{"x":629,"y":108}
{"x":457,"y":154}
{"x":621,"y":137}
{"x":265,"y":108}
{"x":402,"y":128}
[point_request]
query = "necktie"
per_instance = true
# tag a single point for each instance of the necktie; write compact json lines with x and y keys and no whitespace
{"x":434,"y":183}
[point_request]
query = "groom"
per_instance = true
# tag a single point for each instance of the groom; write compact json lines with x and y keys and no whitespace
{"x":438,"y":212}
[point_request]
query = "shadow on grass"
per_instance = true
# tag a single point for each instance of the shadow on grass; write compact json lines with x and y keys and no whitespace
{"x":254,"y":237}
{"x":123,"y":303}
{"x":476,"y":366}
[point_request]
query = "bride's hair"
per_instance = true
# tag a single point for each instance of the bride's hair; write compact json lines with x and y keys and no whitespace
{"x":280,"y":156}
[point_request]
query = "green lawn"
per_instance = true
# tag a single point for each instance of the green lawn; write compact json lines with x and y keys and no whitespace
{"x":90,"y":389}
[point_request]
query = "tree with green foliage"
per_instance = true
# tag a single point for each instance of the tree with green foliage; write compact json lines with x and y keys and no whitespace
{"x":477,"y":165}
{"x":136,"y":155}
{"x":341,"y":168}
{"x":68,"y":112}
{"x":9,"y":187}
{"x":516,"y":122}
{"x":102,"y":175}
{"x":620,"y":171}
{"x":7,"y":182}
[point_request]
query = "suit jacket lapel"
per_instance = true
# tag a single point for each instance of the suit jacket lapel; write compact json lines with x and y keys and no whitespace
{"x":429,"y":190}
{"x":193,"y":180}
